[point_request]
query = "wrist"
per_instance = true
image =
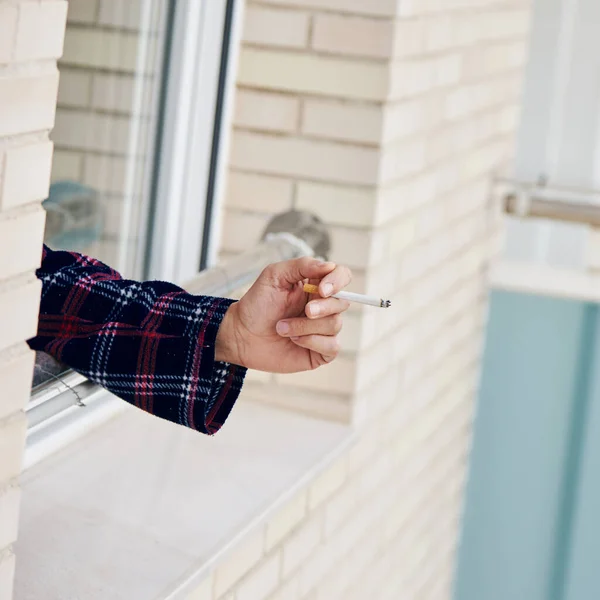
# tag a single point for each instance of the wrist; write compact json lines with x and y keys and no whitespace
{"x":227,"y":344}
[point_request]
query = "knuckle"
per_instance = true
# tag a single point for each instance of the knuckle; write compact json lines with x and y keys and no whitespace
{"x":305,"y":261}
{"x":269,"y":271}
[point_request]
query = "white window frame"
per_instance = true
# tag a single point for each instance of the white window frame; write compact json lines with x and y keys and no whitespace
{"x":180,"y":195}
{"x":196,"y":90}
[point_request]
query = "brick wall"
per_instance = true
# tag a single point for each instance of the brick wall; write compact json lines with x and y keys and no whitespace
{"x":31,"y":39}
{"x":389,"y":120}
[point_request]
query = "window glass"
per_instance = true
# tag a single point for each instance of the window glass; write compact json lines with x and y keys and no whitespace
{"x":111,"y":84}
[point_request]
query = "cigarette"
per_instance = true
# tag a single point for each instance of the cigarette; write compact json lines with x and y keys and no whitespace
{"x":352,"y":297}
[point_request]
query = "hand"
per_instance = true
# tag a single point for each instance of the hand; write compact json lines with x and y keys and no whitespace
{"x":277,"y":327}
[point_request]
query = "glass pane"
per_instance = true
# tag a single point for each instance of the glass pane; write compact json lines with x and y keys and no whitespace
{"x":109,"y":97}
{"x":104,"y":136}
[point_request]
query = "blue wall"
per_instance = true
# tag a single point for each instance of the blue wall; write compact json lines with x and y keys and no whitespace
{"x":525,"y":517}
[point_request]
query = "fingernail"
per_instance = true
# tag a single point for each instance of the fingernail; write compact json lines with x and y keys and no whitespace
{"x":314,"y":309}
{"x":327,"y":289}
{"x":283,"y":328}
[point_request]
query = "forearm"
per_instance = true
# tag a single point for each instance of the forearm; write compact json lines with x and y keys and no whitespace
{"x":150,"y":343}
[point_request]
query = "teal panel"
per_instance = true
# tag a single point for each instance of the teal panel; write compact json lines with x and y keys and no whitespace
{"x":582,"y":544}
{"x":513,"y":535}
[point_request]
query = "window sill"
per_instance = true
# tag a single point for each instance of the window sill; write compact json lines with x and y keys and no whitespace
{"x":141,"y":508}
{"x":546,"y":280}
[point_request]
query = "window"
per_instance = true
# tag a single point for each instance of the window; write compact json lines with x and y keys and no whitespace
{"x":137,"y":143}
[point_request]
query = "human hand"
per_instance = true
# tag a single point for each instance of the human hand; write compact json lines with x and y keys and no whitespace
{"x":277,"y":327}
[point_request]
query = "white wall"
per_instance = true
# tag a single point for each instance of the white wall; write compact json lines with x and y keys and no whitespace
{"x":559,"y":131}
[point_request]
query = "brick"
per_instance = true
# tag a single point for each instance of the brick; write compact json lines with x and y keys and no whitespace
{"x":448,"y":70}
{"x":350,"y":337}
{"x":262,"y":581}
{"x":481,"y":62}
{"x":105,"y":173}
{"x":101,"y":49}
{"x":66,"y":165}
{"x":318,"y":568}
{"x":340,"y":508}
{"x":377,"y":8}
{"x":12,"y":444}
{"x":115,"y":13}
{"x":338,"y":205}
{"x":259,"y":193}
{"x":356,"y":248}
{"x":409,"y":78}
{"x":18,"y":187}
{"x":9,"y":14}
{"x":91,"y":131}
{"x":115,"y":92}
{"x":286,"y":520}
{"x":28,"y":102}
{"x":238,"y":564}
{"x":274,"y":27}
{"x":82,"y":11}
{"x":304,"y":73}
{"x":23,"y":233}
{"x":288,"y":591}
{"x":362,"y":123}
{"x":440,"y":34}
{"x":336,"y":377}
{"x":74,"y":89}
{"x":328,"y":406}
{"x":9,"y":515}
{"x":403,"y":119}
{"x":299,"y":547}
{"x":402,"y":159}
{"x":267,"y":112}
{"x":353,"y":36}
{"x":41,"y":30}
{"x":243,"y":230}
{"x":16,"y":373}
{"x":204,"y":591}
{"x":7,"y":573}
{"x":19,"y":307}
{"x":409,"y":38}
{"x":327,"y":483}
{"x":311,"y":159}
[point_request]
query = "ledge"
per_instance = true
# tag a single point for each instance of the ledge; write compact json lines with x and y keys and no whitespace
{"x":546,"y":280}
{"x":141,"y":508}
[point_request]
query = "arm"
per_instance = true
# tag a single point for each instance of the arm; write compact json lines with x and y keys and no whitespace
{"x":175,"y":355}
{"x":149,"y":343}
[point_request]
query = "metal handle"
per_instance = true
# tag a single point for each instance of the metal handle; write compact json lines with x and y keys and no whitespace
{"x":572,"y":206}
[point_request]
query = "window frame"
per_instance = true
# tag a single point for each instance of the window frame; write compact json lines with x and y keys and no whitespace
{"x":199,"y":93}
{"x":179,"y":201}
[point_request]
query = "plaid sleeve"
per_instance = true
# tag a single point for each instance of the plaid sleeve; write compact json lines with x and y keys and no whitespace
{"x":149,"y":343}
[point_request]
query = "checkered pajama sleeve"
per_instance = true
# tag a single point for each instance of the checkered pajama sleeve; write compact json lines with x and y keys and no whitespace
{"x":149,"y":343}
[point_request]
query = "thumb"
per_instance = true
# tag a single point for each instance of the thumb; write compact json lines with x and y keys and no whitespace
{"x":291,"y":272}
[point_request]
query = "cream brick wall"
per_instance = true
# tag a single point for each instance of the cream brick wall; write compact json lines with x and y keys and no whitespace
{"x":388,"y":120}
{"x":31,"y":39}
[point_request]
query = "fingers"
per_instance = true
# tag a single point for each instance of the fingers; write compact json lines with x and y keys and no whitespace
{"x":327,"y":346}
{"x":301,"y":327}
{"x":317,"y":309}
{"x":291,"y":272}
{"x":335,"y":281}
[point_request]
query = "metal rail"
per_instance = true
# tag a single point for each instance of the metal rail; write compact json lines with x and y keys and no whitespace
{"x":287,"y":236}
{"x":572,"y":206}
